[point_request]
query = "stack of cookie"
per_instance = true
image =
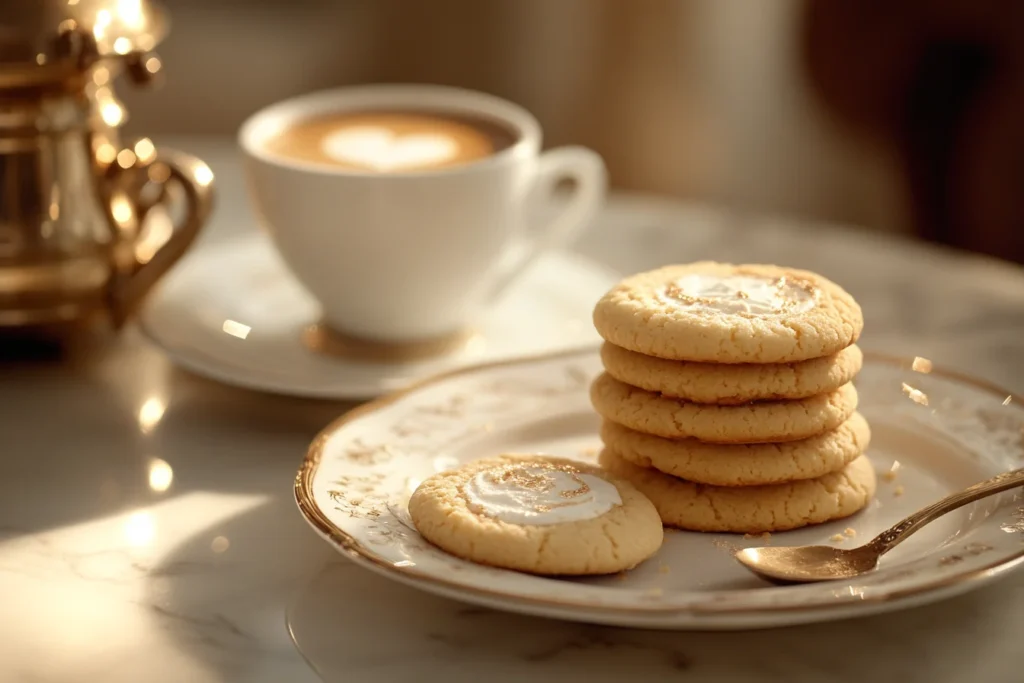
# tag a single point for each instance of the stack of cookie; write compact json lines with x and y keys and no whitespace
{"x":727,"y":396}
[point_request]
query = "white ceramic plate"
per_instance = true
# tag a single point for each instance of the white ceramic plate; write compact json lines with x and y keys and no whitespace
{"x":241,"y":287}
{"x":945,"y":431}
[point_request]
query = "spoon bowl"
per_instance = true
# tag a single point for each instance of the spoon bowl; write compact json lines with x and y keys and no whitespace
{"x":809,"y":563}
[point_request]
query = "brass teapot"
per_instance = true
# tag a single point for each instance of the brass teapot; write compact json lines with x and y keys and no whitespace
{"x":87,"y":224}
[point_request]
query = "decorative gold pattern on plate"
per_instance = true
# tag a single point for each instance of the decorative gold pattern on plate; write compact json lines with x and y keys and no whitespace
{"x":969,"y":550}
{"x":363,"y":454}
{"x":1017,"y":525}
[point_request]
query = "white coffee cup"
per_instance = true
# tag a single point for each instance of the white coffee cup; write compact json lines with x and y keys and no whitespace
{"x":410,"y":256}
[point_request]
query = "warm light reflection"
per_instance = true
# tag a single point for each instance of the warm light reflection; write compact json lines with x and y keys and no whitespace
{"x":122,"y":45}
{"x":922,"y":365}
{"x":158,"y":230}
{"x":145,"y":149}
{"x":40,"y":59}
{"x":140,"y":529}
{"x":126,"y":158}
{"x":915,"y":395}
{"x":153,"y":65}
{"x":220,"y":544}
{"x":150,"y":414}
{"x":475,"y":345}
{"x":111,"y":113}
{"x":445,"y":462}
{"x":121,"y":209}
{"x":404,"y":563}
{"x":129,"y":12}
{"x":101,"y":76}
{"x":160,"y":475}
{"x":1008,"y":400}
{"x":203,"y":174}
{"x":106,"y":153}
{"x":54,"y":211}
{"x":99,"y":26}
{"x":236,"y":329}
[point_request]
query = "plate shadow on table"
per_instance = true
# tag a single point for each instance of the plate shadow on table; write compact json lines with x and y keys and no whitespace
{"x":349,"y":620}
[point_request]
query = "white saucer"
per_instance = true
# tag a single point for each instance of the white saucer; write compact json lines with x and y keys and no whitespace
{"x":244,"y":281}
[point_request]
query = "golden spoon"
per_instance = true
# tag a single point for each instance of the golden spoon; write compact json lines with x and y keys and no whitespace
{"x":804,"y":564}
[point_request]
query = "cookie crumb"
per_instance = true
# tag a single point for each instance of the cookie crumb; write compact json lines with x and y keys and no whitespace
{"x":747,"y":537}
{"x":663,"y":569}
{"x":922,"y":365}
{"x":890,"y":474}
{"x":838,"y":538}
{"x":915,"y":395}
{"x":850,"y":532}
{"x":898,"y":491}
{"x":725,"y":545}
{"x":766,"y":536}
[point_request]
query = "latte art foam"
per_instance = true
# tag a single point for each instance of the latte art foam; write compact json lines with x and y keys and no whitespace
{"x":381,"y":149}
{"x":539,"y":494}
{"x":742,"y":294}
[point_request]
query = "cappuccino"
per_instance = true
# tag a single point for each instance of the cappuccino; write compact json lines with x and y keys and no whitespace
{"x":392,"y":141}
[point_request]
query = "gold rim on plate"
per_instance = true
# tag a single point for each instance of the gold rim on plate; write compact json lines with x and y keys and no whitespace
{"x":310,"y":510}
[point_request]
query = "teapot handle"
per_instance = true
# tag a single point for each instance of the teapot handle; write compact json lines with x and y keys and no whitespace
{"x":140,"y":184}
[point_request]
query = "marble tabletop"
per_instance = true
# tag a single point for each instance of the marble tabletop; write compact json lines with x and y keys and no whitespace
{"x":147,"y":529}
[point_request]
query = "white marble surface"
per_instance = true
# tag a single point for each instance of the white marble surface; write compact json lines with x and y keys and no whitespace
{"x":112,"y":570}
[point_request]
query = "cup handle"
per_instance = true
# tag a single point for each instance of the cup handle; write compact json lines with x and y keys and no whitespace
{"x":586,"y":168}
{"x":132,"y":186}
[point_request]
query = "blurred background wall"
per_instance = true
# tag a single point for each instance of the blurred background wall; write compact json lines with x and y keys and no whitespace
{"x":833,"y":111}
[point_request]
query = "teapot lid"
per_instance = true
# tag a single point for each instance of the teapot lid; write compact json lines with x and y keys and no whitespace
{"x":47,"y":40}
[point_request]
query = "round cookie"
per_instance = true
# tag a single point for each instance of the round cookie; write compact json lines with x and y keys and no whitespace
{"x":759,"y":422}
{"x":723,"y":313}
{"x":731,"y":384}
{"x":537,"y":514}
{"x":751,"y":509}
{"x":742,"y":464}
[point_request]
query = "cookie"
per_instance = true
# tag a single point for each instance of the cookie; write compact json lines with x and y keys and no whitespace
{"x":758,"y":422}
{"x":750,"y":509}
{"x":742,"y":464}
{"x":730,"y":384}
{"x":537,"y":514}
{"x":723,"y":313}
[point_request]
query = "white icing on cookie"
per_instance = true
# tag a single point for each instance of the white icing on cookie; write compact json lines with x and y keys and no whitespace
{"x":539,"y":494}
{"x":749,"y":294}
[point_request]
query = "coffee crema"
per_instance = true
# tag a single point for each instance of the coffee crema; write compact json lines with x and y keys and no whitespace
{"x":392,"y":141}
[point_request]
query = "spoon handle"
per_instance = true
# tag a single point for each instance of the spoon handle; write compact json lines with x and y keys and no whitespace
{"x":890,"y":538}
